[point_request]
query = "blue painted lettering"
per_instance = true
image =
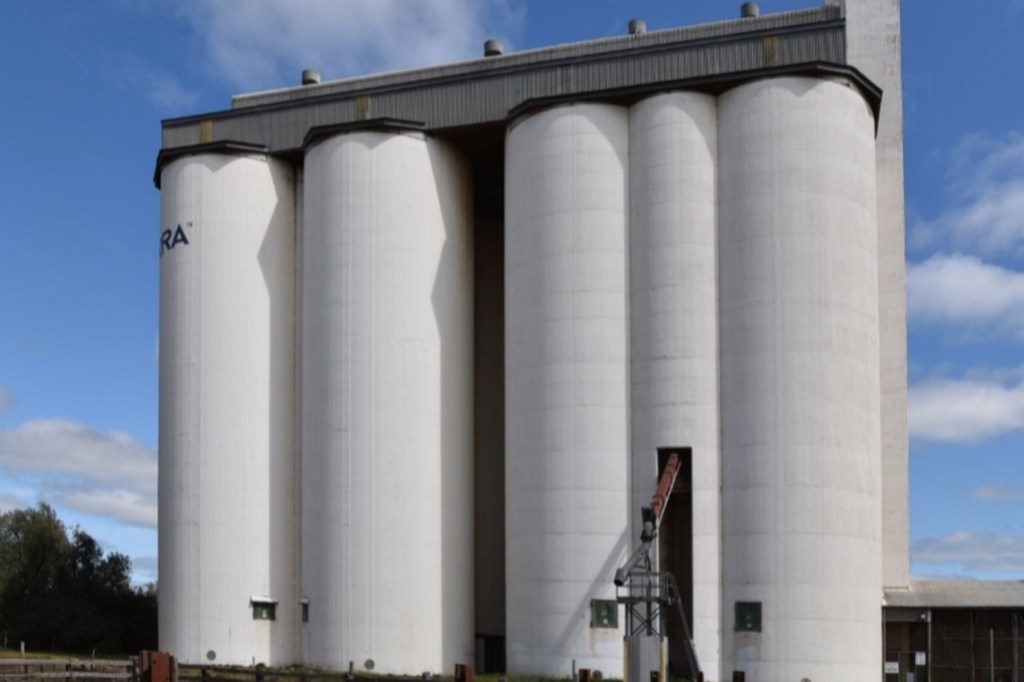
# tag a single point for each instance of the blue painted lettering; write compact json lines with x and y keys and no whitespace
{"x":171,"y":238}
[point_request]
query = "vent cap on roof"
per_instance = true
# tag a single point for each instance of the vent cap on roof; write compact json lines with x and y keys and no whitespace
{"x":310,"y":77}
{"x":493,"y":48}
{"x":637,"y":26}
{"x":749,"y":10}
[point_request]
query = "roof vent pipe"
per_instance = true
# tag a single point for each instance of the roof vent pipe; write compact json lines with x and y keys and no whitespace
{"x":310,"y":77}
{"x":493,"y":48}
{"x":750,"y":10}
{"x":637,"y":26}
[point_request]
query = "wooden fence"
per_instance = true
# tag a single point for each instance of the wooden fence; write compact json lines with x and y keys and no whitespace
{"x":29,"y":669}
{"x":128,"y":670}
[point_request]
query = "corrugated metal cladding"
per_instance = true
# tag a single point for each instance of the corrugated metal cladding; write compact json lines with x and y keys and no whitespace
{"x":727,"y":30}
{"x":486,"y":90}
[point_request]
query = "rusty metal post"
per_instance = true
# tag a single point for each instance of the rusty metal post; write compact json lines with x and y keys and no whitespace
{"x":157,"y":666}
{"x":586,"y":675}
{"x":463,"y":672}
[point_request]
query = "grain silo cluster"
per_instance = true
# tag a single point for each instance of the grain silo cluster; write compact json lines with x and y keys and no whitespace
{"x":427,"y":336}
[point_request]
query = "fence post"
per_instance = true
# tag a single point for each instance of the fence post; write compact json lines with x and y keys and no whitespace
{"x":463,"y":672}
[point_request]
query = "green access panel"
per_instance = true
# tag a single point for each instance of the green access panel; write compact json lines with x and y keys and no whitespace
{"x":604,"y":613}
{"x":748,"y":616}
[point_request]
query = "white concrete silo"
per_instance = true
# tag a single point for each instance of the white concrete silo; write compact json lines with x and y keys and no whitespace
{"x":873,"y":46}
{"x":387,"y":427}
{"x":227,"y":522}
{"x":566,"y":373}
{"x":674,"y":343}
{"x":801,"y":507}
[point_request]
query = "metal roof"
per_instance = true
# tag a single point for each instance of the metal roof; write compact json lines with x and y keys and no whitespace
{"x":729,"y":31}
{"x":987,"y":594}
{"x":495,"y":90}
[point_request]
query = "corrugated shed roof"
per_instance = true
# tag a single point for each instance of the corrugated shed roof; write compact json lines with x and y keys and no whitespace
{"x":988,"y":594}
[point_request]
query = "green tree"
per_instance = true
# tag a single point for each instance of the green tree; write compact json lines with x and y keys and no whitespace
{"x":34,"y":548}
{"x":61,"y":593}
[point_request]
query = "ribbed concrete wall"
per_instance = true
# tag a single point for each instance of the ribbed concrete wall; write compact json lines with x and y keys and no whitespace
{"x":801,"y":507}
{"x":689,"y":272}
{"x":873,"y":46}
{"x":674,"y":327}
{"x":566,"y":373}
{"x":387,"y":425}
{"x":226,"y":398}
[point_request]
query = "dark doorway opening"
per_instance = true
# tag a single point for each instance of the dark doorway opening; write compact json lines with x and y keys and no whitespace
{"x":675,"y":554}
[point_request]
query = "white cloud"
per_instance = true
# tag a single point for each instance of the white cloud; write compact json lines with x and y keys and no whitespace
{"x":6,"y":399}
{"x":1000,"y":492}
{"x":160,"y":88}
{"x":107,"y":474}
{"x":967,"y":410}
{"x":965,"y":291}
{"x":258,"y":44}
{"x":144,"y":569}
{"x":10,"y":501}
{"x":166,"y":93}
{"x":987,"y":190}
{"x":977,"y":552}
{"x":120,"y":505}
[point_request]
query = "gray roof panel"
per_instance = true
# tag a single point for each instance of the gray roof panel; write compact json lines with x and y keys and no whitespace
{"x":989,"y":594}
{"x":484,"y":91}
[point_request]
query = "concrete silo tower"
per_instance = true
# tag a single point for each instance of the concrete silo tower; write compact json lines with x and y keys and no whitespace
{"x":386,"y":402}
{"x":427,"y":336}
{"x":874,"y":47}
{"x":227,"y":478}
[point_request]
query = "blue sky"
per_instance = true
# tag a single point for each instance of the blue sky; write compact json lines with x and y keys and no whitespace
{"x":85,"y":84}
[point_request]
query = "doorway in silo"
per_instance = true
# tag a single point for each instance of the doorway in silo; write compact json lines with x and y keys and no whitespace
{"x":675,"y":555}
